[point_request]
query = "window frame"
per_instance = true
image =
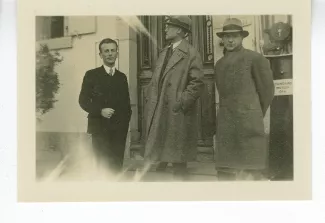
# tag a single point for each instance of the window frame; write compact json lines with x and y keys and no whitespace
{"x":63,"y":42}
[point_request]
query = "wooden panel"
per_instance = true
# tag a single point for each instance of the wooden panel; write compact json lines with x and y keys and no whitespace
{"x":194,"y":38}
{"x":207,"y":113}
{"x":208,"y":40}
{"x":144,"y":45}
{"x":281,"y":124}
{"x":160,"y":32}
{"x":206,"y":107}
{"x":142,"y":105}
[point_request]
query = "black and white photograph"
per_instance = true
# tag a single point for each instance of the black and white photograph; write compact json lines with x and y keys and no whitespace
{"x":164,"y":98}
{"x":152,"y":102}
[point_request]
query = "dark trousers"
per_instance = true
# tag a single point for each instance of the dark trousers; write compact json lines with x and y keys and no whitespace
{"x":109,"y":148}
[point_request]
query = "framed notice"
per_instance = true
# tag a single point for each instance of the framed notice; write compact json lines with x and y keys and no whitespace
{"x":283,"y":87}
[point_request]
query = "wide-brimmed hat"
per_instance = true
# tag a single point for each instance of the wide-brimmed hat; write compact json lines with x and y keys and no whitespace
{"x":232,"y":25}
{"x":180,"y":21}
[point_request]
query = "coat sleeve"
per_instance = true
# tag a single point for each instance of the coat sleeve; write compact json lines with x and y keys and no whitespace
{"x":85,"y":96}
{"x":263,"y":77}
{"x":195,"y":84}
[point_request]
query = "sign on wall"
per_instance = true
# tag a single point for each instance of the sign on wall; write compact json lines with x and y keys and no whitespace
{"x":99,"y":61}
{"x":283,"y":87}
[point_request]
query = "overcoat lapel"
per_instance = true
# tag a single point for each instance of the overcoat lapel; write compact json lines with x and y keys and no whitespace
{"x":160,"y":63}
{"x":179,"y":53}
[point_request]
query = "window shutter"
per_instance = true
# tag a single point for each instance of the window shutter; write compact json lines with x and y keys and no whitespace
{"x":78,"y":25}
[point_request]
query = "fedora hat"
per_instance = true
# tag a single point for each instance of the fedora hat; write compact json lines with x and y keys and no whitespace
{"x":180,"y":21}
{"x":232,"y":25}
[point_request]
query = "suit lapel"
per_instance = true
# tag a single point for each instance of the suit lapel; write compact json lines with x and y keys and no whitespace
{"x":102,"y":71}
{"x":101,"y":75}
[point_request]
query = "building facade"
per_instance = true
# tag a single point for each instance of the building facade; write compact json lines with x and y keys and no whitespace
{"x":76,"y":38}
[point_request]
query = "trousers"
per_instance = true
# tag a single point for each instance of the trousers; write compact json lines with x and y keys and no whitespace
{"x":109,"y":149}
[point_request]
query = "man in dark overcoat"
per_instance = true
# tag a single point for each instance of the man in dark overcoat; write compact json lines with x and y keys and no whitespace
{"x":176,"y":85}
{"x":244,"y":81}
{"x":105,"y":97}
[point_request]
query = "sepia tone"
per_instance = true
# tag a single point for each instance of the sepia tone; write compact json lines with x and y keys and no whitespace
{"x":63,"y":147}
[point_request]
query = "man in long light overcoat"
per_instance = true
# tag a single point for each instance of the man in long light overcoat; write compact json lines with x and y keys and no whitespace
{"x":176,"y":84}
{"x":245,"y":85}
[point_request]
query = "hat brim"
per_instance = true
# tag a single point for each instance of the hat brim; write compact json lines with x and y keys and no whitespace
{"x":243,"y":32}
{"x":180,"y":26}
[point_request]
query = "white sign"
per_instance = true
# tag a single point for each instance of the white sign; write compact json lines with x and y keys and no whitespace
{"x":283,"y":87}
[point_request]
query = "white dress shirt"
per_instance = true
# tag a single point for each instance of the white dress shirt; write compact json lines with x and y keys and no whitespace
{"x":176,"y":44}
{"x":108,"y":69}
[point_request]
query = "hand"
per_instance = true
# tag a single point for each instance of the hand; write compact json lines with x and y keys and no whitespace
{"x":177,"y":107}
{"x":107,"y":112}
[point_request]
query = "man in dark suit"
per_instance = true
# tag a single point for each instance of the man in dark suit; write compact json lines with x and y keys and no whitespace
{"x":105,"y":97}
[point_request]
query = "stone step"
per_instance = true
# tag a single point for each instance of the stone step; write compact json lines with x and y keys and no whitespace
{"x":196,"y":168}
{"x":201,"y":149}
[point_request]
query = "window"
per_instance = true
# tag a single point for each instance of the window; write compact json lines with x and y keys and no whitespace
{"x":57,"y":31}
{"x":49,"y":27}
{"x":57,"y":26}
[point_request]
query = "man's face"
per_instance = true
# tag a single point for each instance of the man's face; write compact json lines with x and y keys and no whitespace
{"x":171,"y":32}
{"x":108,"y":53}
{"x":232,"y":40}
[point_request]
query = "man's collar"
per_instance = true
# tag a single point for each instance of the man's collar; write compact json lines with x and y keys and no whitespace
{"x":107,"y":69}
{"x":177,"y":44}
{"x":236,"y":50}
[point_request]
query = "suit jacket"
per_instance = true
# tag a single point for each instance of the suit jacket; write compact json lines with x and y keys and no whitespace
{"x":100,"y":91}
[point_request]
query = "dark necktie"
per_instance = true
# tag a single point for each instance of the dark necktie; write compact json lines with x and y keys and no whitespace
{"x":167,"y":57}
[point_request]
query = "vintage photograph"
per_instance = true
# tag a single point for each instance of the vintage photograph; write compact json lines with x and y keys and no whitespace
{"x":177,"y":98}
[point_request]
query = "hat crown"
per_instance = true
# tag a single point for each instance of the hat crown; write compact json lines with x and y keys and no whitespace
{"x":233,"y":22}
{"x":232,"y":25}
{"x":181,"y":18}
{"x":180,"y":21}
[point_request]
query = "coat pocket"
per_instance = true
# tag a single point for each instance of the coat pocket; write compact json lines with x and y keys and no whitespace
{"x":177,"y":107}
{"x":250,"y":122}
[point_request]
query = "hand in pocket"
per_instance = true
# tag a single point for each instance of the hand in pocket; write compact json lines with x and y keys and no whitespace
{"x":177,"y":107}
